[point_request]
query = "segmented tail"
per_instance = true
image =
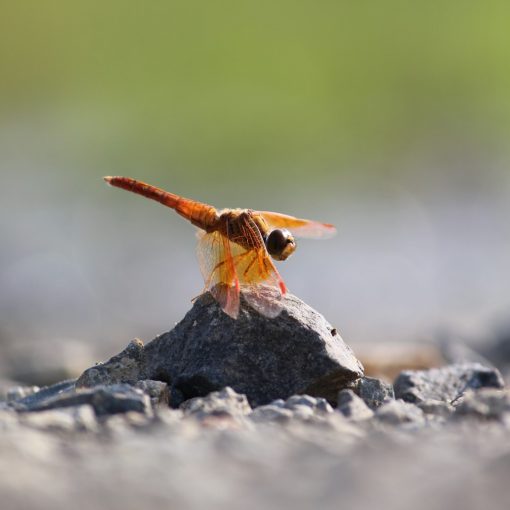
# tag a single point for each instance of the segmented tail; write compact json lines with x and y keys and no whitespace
{"x":201,"y":215}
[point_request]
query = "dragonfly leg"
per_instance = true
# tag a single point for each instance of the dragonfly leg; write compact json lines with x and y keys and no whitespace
{"x":245,"y":272}
{"x":238,"y":257}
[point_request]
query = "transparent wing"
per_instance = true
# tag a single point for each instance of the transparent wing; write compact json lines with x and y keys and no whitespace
{"x":299,"y":227}
{"x":218,"y":270}
{"x":260,"y":282}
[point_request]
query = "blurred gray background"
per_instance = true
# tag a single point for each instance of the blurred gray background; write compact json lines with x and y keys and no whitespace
{"x":390,"y":121}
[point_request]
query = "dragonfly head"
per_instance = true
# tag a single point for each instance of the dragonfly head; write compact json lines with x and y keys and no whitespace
{"x":280,"y":244}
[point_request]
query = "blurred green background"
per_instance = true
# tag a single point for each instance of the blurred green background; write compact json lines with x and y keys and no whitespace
{"x":390,"y":119}
{"x":212,"y":88}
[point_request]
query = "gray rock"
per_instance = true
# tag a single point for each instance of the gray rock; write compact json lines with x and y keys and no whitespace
{"x":265,"y":359}
{"x":353,"y":407}
{"x":125,"y":367}
{"x":317,"y":405}
{"x":490,"y":404}
{"x":323,"y":406}
{"x":158,"y":391}
{"x":218,"y":403}
{"x":296,"y":407}
{"x":176,"y":397}
{"x":398,"y":412}
{"x":77,"y":418}
{"x":304,"y":400}
{"x":271,"y":413}
{"x":436,"y":408}
{"x":19,"y":392}
{"x":168,"y":416}
{"x":126,"y":423}
{"x":445,"y":384}
{"x":373,"y":391}
{"x":303,"y":413}
{"x":105,"y":400}
{"x":54,"y":391}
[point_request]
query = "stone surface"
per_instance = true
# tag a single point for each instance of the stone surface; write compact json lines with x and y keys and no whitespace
{"x":295,"y":453}
{"x":217,"y":403}
{"x":316,"y":404}
{"x":436,"y":408}
{"x":125,"y":423}
{"x":125,"y":367}
{"x":445,"y":384}
{"x":271,"y":413}
{"x":76,"y":418}
{"x":373,"y":391}
{"x":353,"y":407}
{"x":157,"y":391}
{"x":19,"y":392}
{"x":398,"y":412}
{"x":297,"y":467}
{"x":265,"y":359}
{"x":296,"y":407}
{"x":113,"y":399}
{"x":490,"y":404}
{"x":54,"y":391}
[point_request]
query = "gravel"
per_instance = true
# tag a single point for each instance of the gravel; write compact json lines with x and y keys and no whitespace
{"x":353,"y":407}
{"x":486,"y":404}
{"x":126,"y":435}
{"x":218,"y":452}
{"x":398,"y":412}
{"x":374,"y":392}
{"x":105,"y":400}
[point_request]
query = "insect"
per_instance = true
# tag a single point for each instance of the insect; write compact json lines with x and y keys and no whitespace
{"x":235,"y":247}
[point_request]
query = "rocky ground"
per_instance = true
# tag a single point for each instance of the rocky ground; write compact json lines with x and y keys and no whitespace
{"x":160,"y":426}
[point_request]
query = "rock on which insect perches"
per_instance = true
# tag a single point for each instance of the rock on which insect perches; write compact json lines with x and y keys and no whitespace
{"x":265,"y":359}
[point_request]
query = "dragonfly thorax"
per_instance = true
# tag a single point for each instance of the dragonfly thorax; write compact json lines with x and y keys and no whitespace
{"x":250,"y":230}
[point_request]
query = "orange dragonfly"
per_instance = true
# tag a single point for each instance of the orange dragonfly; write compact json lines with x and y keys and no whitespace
{"x":234,"y":247}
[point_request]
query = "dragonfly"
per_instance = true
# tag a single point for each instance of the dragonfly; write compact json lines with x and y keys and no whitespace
{"x":236,"y":247}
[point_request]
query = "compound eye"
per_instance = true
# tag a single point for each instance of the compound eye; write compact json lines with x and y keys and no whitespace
{"x":280,"y":243}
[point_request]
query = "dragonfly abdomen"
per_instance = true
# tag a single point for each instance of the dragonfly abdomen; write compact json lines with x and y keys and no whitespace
{"x":201,"y":215}
{"x":238,"y":226}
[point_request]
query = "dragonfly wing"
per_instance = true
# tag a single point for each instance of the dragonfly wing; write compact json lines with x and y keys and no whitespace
{"x":219,"y":271}
{"x":260,"y":282}
{"x":299,"y":227}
